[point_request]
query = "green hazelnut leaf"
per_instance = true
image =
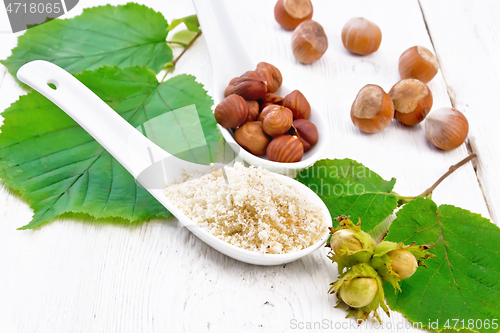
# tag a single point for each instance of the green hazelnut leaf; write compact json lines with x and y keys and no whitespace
{"x":349,"y":188}
{"x":57,"y":167}
{"x":125,"y":35}
{"x":190,"y":21}
{"x":182,"y":37}
{"x":461,"y":286}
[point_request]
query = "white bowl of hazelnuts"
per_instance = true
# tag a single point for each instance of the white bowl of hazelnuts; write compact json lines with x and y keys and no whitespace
{"x":271,"y":126}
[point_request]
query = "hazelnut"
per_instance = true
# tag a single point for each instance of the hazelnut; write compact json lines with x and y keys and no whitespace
{"x":250,"y":86}
{"x":253,"y":110}
{"x":251,"y":137}
{"x":345,"y":238}
{"x":309,"y":42}
{"x":403,"y":263}
{"x":372,"y":110}
{"x":306,"y":145}
{"x":285,"y":149}
{"x":418,"y":63}
{"x":360,"y":291}
{"x":271,"y":74}
{"x":446,"y":128}
{"x":412,"y":101}
{"x":299,"y":105}
{"x":361,"y":36}
{"x":268,"y":109}
{"x":290,"y":13}
{"x":231,"y":112}
{"x":271,"y":98}
{"x":230,"y":87}
{"x":277,"y":121}
{"x":307,"y":133}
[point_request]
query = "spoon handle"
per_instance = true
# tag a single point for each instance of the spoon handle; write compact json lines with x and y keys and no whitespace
{"x":228,"y":55}
{"x":132,"y":149}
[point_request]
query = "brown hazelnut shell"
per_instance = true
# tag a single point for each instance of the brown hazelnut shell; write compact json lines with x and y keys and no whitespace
{"x":290,"y":13}
{"x":372,"y":110}
{"x":446,"y":128}
{"x":309,"y":42}
{"x":412,"y":101}
{"x":418,"y":62}
{"x":361,"y":36}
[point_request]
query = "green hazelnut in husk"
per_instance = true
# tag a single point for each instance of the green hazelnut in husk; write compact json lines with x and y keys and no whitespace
{"x":360,"y":289}
{"x":403,"y":263}
{"x":396,"y":262}
{"x":350,"y":245}
{"x":360,"y":292}
{"x":345,"y":237}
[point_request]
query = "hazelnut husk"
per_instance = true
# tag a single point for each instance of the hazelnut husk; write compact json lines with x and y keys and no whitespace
{"x":271,"y":74}
{"x":231,"y":112}
{"x":298,"y":104}
{"x":403,"y":263}
{"x":306,"y":132}
{"x":360,"y":291}
{"x":285,"y":149}
{"x":277,"y":121}
{"x":251,"y":86}
{"x":251,"y":137}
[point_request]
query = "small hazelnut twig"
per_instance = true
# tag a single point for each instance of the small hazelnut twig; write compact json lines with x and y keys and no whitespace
{"x":171,"y":65}
{"x":428,"y":193}
{"x":443,"y":177}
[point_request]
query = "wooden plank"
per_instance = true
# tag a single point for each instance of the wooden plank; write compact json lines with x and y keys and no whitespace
{"x":466,"y":37}
{"x":76,"y":276}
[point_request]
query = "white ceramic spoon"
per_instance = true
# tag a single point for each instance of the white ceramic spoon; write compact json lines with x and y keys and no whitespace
{"x":230,"y":59}
{"x":135,"y":152}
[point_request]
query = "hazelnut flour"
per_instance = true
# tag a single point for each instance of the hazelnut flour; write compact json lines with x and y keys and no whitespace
{"x":255,"y":211}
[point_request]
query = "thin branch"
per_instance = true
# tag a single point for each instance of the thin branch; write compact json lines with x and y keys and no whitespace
{"x":450,"y":171}
{"x":181,"y":54}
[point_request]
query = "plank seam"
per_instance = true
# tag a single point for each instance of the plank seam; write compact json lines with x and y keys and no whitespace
{"x":451,"y":95}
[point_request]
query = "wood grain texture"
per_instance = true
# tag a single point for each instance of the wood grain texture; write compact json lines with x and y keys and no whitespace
{"x":77,"y":276}
{"x":467,"y":41}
